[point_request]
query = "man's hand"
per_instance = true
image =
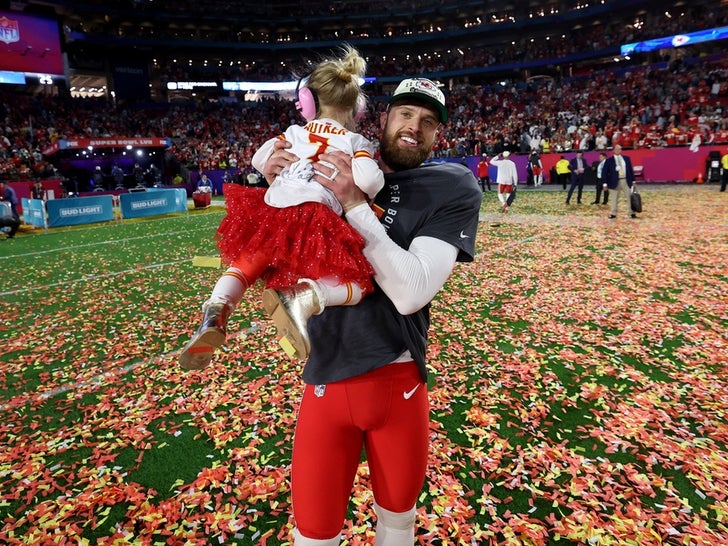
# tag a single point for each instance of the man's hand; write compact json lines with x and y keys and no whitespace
{"x":333,"y":171}
{"x":279,"y":160}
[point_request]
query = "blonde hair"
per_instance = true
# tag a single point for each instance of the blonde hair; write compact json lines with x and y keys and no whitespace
{"x":335,"y":81}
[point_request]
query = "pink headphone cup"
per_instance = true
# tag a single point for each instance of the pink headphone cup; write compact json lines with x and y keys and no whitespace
{"x":306,"y":103}
{"x":361,"y":109}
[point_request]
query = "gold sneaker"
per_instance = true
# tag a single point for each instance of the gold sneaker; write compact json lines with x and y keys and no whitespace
{"x":290,"y":308}
{"x":211,"y":334}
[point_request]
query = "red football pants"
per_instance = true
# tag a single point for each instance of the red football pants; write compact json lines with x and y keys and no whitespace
{"x":386,"y":412}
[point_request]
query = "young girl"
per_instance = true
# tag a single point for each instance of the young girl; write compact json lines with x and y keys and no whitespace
{"x":292,"y":235}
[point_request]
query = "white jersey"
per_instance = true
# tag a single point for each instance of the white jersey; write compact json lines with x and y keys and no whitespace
{"x":507,"y":173}
{"x":295,"y":185}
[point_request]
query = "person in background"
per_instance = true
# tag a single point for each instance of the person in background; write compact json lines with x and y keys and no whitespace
{"x":366,"y":377}
{"x":724,"y":171}
{"x":598,"y":167}
{"x":138,"y":174}
{"x":507,"y":178}
{"x":577,"y":166}
{"x":12,"y":221}
{"x":483,"y":175}
{"x":38,"y":191}
{"x":563,"y":171}
{"x":535,"y":166}
{"x":204,"y":184}
{"x":118,"y":175}
{"x":618,"y":177}
{"x":98,"y":179}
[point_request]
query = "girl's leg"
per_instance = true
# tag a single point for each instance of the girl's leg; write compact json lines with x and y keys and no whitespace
{"x":290,"y":308}
{"x":211,"y":333}
{"x":226,"y":295}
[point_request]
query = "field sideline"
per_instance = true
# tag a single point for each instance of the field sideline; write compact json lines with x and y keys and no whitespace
{"x":578,"y":382}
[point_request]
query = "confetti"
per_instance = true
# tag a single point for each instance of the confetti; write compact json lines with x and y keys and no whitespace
{"x":578,"y":388}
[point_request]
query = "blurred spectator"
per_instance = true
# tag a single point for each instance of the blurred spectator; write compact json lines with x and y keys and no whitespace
{"x":204,"y":185}
{"x":12,"y":219}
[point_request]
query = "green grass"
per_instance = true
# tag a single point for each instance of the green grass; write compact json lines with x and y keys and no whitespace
{"x":578,"y":386}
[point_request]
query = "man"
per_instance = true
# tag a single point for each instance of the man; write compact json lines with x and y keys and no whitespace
{"x":563,"y":171}
{"x":577,"y":166}
{"x":598,"y":167}
{"x":483,"y":175}
{"x":7,"y":194}
{"x":507,"y":179}
{"x":38,"y":191}
{"x":535,"y":166}
{"x":724,"y":171}
{"x":619,"y":177}
{"x":204,"y":184}
{"x":368,"y":360}
{"x":118,"y":175}
{"x":98,"y":179}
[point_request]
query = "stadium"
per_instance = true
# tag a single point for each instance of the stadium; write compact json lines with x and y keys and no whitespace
{"x":576,"y":367}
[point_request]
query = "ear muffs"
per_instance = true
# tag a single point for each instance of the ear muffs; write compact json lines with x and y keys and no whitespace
{"x":306,"y":102}
{"x":361,"y":108}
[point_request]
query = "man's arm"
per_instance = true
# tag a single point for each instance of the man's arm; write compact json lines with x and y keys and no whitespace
{"x":278,"y":160}
{"x":409,"y":277}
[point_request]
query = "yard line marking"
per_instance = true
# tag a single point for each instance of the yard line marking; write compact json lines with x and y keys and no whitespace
{"x":89,"y":278}
{"x":104,"y":378}
{"x":99,"y":243}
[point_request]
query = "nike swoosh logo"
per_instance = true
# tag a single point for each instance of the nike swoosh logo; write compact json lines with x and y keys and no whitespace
{"x":463,"y":236}
{"x":408,"y":394}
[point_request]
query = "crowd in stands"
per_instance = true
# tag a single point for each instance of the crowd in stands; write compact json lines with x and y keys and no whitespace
{"x":524,"y":48}
{"x":639,"y":106}
{"x":323,"y":21}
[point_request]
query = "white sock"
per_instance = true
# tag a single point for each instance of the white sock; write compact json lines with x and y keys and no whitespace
{"x":394,"y":528}
{"x":230,"y":287}
{"x":502,"y":197}
{"x":331,"y":292}
{"x":300,"y":540}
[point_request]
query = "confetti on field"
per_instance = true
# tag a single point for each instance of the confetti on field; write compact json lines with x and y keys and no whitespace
{"x":579,"y":387}
{"x":207,"y":261}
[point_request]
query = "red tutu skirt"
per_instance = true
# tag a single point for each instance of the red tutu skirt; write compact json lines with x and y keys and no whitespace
{"x":304,"y":241}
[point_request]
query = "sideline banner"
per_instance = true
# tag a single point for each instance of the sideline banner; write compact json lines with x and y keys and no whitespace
{"x":34,"y":212}
{"x":80,"y":210}
{"x":180,"y":197}
{"x":152,"y":203}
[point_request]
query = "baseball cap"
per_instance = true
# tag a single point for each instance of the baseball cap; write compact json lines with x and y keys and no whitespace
{"x":424,"y":90}
{"x":506,"y":153}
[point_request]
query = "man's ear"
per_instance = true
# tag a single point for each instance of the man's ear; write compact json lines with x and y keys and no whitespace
{"x":383,"y":118}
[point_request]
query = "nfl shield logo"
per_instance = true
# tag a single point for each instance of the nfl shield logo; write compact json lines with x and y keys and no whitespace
{"x":319,"y":390}
{"x":9,"y":30}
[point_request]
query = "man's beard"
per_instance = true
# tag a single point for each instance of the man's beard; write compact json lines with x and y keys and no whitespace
{"x":399,"y":158}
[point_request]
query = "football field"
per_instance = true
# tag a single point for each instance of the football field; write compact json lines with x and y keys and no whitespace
{"x":578,"y":386}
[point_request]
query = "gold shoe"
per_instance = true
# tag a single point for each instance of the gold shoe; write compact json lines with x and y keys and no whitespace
{"x":211,"y":334}
{"x":290,"y":308}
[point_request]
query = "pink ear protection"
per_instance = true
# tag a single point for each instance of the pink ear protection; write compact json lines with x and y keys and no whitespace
{"x":361,"y":108}
{"x":307,"y":103}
